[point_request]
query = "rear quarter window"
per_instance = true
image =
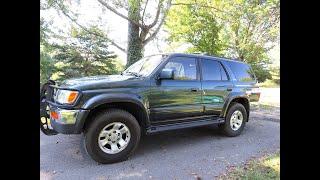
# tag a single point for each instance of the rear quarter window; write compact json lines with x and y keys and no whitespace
{"x":242,"y":71}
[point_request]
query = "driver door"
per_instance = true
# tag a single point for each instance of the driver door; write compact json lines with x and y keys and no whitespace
{"x":180,"y":97}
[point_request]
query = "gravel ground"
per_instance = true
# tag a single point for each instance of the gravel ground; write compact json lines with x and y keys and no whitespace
{"x":268,"y":106}
{"x":183,"y":154}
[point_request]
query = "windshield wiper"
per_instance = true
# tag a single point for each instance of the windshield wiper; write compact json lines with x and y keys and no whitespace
{"x":134,"y":73}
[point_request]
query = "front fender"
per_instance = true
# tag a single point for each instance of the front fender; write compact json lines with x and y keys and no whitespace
{"x":229,"y":99}
{"x":117,"y":98}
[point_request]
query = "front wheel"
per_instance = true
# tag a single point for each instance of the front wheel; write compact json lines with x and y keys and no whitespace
{"x":235,"y":120}
{"x":112,"y":136}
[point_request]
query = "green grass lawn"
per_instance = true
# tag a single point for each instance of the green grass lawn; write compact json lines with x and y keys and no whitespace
{"x":266,"y":106}
{"x":267,"y":167}
{"x":269,"y":84}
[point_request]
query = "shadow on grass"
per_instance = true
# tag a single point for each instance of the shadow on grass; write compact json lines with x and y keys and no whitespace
{"x":267,"y":167}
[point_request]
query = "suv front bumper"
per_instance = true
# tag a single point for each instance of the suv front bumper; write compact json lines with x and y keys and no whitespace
{"x":67,"y":121}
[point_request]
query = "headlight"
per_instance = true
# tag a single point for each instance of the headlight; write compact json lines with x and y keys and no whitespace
{"x":66,"y":96}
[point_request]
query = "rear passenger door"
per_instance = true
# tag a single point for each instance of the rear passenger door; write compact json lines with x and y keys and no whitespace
{"x":216,"y":86}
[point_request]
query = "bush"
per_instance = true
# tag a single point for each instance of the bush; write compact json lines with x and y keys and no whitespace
{"x":269,"y":83}
{"x":261,"y":73}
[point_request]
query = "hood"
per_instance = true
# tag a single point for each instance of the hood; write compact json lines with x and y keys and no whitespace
{"x":96,"y":82}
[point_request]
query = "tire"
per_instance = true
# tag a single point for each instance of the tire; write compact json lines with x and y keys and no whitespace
{"x":227,"y":127}
{"x":110,"y":118}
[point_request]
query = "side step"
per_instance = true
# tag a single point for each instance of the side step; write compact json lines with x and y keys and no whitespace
{"x":182,"y":125}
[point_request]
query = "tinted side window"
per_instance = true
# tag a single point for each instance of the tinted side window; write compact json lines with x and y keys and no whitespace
{"x":213,"y":70}
{"x":184,"y":68}
{"x":210,"y":70}
{"x":242,"y":71}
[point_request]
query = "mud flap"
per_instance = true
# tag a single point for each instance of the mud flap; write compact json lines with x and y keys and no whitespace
{"x":45,"y":126}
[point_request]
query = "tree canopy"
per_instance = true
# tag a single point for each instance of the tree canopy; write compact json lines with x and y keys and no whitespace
{"x":84,"y":55}
{"x":79,"y":54}
{"x":245,"y":30}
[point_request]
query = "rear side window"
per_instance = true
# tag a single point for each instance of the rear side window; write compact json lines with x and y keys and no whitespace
{"x":212,"y":70}
{"x":242,"y":71}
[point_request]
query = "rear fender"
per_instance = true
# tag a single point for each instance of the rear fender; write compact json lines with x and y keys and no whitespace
{"x":230,"y":98}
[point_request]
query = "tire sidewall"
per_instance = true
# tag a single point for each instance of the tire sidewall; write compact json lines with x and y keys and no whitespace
{"x":227,"y":128}
{"x":92,"y":135}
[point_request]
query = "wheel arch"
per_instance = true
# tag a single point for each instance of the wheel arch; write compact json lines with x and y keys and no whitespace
{"x":130,"y":103}
{"x":239,"y":98}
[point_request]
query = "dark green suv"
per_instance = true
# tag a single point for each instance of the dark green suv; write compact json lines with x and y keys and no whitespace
{"x":158,"y":93}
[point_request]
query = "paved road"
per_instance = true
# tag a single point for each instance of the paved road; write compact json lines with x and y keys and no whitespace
{"x":182,"y":154}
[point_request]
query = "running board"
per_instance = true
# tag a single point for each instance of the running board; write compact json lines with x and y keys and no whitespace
{"x":182,"y":125}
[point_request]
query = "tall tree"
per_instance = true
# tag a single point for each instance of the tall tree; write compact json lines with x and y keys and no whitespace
{"x":140,"y":32}
{"x":84,"y":54}
{"x":46,"y":62}
{"x":135,"y":43}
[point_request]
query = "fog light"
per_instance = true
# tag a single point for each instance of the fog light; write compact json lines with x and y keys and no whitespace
{"x":43,"y":120}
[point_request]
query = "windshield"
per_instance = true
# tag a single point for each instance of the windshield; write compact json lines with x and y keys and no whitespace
{"x":144,"y":66}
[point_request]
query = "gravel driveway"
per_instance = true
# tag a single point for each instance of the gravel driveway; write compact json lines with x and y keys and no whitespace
{"x":182,"y":154}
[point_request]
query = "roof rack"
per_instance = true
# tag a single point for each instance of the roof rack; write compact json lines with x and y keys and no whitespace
{"x":202,"y":53}
{"x":224,"y":58}
{"x":207,"y":54}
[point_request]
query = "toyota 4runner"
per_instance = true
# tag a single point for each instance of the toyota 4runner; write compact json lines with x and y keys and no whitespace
{"x":157,"y":93}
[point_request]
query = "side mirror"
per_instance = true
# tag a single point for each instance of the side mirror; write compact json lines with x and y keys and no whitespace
{"x":166,"y":74}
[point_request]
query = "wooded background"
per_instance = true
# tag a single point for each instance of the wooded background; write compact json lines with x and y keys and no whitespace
{"x":247,"y":30}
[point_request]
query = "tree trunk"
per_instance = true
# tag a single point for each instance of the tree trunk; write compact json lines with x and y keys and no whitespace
{"x":135,"y":47}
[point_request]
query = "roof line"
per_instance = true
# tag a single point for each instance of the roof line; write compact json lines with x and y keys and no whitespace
{"x":198,"y":55}
{"x":208,"y":56}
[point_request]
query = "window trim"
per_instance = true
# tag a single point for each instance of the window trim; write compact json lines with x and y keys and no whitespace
{"x":201,"y":74}
{"x":225,"y":70}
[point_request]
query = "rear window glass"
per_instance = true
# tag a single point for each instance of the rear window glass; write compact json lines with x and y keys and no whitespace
{"x":242,"y":71}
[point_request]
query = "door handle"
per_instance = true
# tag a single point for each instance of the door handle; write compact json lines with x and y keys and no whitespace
{"x":194,"y":89}
{"x":227,"y":87}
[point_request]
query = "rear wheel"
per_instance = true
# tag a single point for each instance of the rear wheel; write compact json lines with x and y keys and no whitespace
{"x":112,"y":136}
{"x":235,"y":120}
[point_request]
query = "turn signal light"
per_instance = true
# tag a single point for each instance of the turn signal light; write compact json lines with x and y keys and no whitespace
{"x":72,"y":96}
{"x":54,"y":115}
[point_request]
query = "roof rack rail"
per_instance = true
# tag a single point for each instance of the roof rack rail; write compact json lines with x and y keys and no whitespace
{"x":202,"y":53}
